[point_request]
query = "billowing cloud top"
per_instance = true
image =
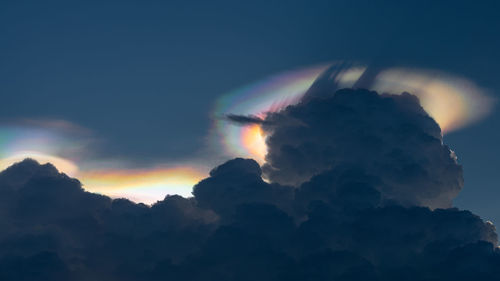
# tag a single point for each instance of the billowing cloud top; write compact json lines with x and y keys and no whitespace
{"x":365,"y":169}
{"x":454,"y":102}
{"x":387,"y":136}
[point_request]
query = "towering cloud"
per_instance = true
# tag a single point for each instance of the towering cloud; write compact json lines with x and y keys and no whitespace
{"x":358,"y":187}
{"x":389,"y":137}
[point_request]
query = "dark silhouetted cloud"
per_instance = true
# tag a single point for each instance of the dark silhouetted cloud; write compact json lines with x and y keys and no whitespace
{"x":244,"y":119}
{"x":385,"y":136}
{"x":359,"y":188}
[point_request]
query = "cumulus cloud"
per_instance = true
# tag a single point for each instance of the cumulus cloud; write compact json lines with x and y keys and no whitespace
{"x":386,"y":136}
{"x":44,"y":212}
{"x":235,"y":183}
{"x":359,"y":188}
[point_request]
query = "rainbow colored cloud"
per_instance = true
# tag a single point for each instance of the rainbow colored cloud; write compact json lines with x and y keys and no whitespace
{"x":65,"y":147}
{"x":452,"y":101}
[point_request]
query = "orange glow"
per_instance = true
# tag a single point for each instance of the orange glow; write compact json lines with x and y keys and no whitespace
{"x":145,"y":186}
{"x":254,"y":140}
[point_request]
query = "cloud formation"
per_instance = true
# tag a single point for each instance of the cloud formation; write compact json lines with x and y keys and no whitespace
{"x":359,"y":189}
{"x":452,"y":101}
{"x":386,"y":136}
{"x":244,"y":120}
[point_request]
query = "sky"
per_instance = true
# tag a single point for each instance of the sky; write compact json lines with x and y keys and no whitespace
{"x":249,"y":140}
{"x":134,"y":88}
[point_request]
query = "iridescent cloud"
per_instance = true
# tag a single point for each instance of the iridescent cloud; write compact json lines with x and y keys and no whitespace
{"x":268,"y":95}
{"x":452,"y":101}
{"x":63,"y":145}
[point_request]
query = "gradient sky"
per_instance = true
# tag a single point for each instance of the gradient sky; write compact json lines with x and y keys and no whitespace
{"x":143,"y":77}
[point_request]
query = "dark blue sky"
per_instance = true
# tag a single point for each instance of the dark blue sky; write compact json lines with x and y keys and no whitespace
{"x":144,"y":74}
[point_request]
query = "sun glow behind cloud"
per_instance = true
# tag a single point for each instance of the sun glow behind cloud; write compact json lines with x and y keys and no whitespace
{"x":63,"y":165}
{"x":142,"y":185}
{"x":253,"y":138}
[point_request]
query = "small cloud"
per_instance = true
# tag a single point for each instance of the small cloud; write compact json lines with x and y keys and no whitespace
{"x":244,"y":119}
